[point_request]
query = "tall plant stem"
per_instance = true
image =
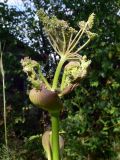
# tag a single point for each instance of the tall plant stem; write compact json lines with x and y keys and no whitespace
{"x":55,"y":116}
{"x":55,"y":136}
{"x":57,"y":72}
{"x":4,"y":99}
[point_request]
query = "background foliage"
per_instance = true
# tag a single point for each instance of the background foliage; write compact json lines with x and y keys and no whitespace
{"x":90,"y":121}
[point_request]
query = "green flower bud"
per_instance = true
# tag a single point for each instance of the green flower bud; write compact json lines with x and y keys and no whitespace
{"x":74,"y":71}
{"x":91,"y":20}
{"x":31,"y":68}
{"x":91,"y":35}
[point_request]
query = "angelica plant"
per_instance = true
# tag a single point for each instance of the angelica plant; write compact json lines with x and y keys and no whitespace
{"x":65,"y":41}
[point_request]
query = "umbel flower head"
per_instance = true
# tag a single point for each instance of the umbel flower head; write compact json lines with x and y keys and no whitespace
{"x":63,"y":38}
{"x":65,"y":41}
{"x":31,"y":68}
{"x":74,"y":71}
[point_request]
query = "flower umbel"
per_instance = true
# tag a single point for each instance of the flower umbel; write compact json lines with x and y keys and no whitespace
{"x":34,"y":73}
{"x":63,"y":38}
{"x":31,"y":68}
{"x":74,"y":71}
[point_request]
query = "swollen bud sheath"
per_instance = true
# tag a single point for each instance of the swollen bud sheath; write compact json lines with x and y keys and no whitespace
{"x":47,"y":144}
{"x":46,"y":99}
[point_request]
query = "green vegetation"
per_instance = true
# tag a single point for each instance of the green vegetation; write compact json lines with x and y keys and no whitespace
{"x":90,"y":122}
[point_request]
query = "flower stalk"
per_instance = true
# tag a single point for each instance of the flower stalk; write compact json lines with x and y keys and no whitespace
{"x":55,"y":136}
{"x":57,"y":72}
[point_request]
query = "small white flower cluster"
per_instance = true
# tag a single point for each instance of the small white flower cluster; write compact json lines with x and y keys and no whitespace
{"x":31,"y":68}
{"x":88,"y":25}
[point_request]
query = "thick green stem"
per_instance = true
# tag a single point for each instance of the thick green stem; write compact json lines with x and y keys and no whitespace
{"x":57,"y":73}
{"x":55,"y":136}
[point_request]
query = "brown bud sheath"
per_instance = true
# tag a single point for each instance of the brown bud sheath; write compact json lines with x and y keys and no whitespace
{"x":69,"y":89}
{"x":46,"y":99}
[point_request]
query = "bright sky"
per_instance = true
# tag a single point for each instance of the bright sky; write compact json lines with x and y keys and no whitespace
{"x":15,"y":3}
